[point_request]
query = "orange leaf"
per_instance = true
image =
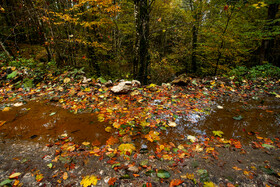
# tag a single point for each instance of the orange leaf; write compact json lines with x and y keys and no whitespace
{"x":2,"y":123}
{"x":236,"y":168}
{"x":112,"y":141}
{"x":148,"y":184}
{"x":112,"y":181}
{"x":65,"y":176}
{"x":176,"y":182}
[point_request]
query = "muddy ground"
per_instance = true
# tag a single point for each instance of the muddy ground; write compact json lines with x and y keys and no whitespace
{"x":206,"y":134}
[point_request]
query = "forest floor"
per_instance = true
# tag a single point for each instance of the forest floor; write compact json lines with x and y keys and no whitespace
{"x":70,"y":132}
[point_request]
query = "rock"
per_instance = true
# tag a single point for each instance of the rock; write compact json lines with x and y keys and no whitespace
{"x":125,"y":87}
{"x":108,"y":83}
{"x":122,"y":87}
{"x":136,"y":83}
{"x":182,"y":80}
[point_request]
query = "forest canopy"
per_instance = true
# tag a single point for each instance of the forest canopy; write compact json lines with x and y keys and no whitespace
{"x":147,"y":40}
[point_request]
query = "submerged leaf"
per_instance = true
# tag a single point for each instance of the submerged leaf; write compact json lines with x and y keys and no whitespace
{"x":218,"y":133}
{"x":238,"y":117}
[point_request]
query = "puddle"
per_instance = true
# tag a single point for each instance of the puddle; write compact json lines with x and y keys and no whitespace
{"x":261,"y":116}
{"x":43,"y":122}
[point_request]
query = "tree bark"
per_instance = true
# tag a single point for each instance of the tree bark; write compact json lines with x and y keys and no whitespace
{"x":267,"y":46}
{"x":142,"y":23}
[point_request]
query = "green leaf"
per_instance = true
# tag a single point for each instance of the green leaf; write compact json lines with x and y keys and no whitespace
{"x":268,"y":146}
{"x":53,"y":113}
{"x":102,"y":80}
{"x":144,"y":162}
{"x":115,"y":165}
{"x":12,"y":75}
{"x":50,"y":165}
{"x":268,"y":171}
{"x":163,"y":174}
{"x":238,"y":117}
{"x":4,"y":182}
{"x":218,"y":133}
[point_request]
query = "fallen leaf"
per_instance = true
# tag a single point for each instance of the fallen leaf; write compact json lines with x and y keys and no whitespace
{"x":267,"y":146}
{"x":218,"y":133}
{"x":65,"y":176}
{"x":152,"y":136}
{"x":126,"y":148}
{"x":6,"y":109}
{"x":209,"y":184}
{"x":238,"y":117}
{"x":14,"y":175}
{"x":89,"y":180}
{"x":39,"y":177}
{"x":172,"y":124}
{"x":163,"y":174}
{"x":50,"y":165}
{"x":175,"y":182}
{"x":191,"y":138}
{"x":108,"y":129}
{"x":66,"y":80}
{"x":2,"y":123}
{"x":53,"y":113}
{"x":86,"y":143}
{"x":236,"y":168}
{"x":4,"y":182}
{"x":112,"y":181}
{"x":18,"y":104}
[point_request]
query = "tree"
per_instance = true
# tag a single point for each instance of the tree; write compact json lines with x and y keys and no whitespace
{"x":142,"y":10}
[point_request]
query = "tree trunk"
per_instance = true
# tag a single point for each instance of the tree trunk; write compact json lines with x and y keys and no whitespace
{"x":267,"y":51}
{"x":194,"y":46}
{"x":142,"y":57}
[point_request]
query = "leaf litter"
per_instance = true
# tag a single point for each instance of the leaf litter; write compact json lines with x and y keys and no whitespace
{"x":146,"y":114}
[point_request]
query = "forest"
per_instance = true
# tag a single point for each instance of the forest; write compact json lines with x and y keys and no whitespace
{"x":140,"y":93}
{"x":152,"y":41}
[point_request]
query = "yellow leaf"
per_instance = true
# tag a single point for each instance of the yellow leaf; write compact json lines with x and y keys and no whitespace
{"x":66,"y":80}
{"x":65,"y":176}
{"x":126,"y":148}
{"x":87,"y":90}
{"x":89,"y":180}
{"x":108,"y":129}
{"x":116,"y":125}
{"x":6,"y":109}
{"x":198,"y":148}
{"x":14,"y":175}
{"x":188,"y":176}
{"x":209,"y":149}
{"x":209,"y":184}
{"x":167,"y":157}
{"x":181,"y":146}
{"x":86,"y":143}
{"x":152,"y":136}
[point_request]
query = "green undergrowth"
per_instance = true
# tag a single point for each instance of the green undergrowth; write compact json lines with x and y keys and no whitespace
{"x":260,"y":71}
